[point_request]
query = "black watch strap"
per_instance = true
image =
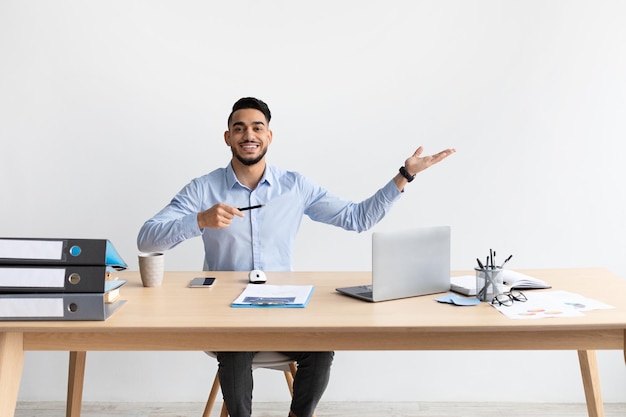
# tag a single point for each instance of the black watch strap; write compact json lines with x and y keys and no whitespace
{"x":406,"y":174}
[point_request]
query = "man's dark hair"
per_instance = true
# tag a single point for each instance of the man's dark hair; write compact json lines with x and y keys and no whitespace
{"x":251,"y":103}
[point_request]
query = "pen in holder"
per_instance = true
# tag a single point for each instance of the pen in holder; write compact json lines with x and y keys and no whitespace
{"x":489,"y":283}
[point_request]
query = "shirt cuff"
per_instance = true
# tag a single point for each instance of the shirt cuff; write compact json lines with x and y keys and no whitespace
{"x":190,"y":226}
{"x":391,"y":192}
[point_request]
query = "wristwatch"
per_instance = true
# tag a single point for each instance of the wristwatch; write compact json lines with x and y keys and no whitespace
{"x":406,"y":174}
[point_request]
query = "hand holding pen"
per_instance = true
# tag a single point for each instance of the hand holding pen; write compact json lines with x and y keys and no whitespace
{"x":221,"y":215}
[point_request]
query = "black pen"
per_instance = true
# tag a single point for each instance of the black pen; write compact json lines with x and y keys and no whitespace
{"x":506,"y":260}
{"x":250,"y":208}
{"x":480,"y":264}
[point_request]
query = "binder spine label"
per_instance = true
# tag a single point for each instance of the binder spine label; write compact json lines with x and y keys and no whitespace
{"x":32,"y":277}
{"x":31,"y":249}
{"x":31,"y":307}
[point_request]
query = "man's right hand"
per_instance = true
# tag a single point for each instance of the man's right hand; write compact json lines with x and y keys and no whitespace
{"x":218,"y":217}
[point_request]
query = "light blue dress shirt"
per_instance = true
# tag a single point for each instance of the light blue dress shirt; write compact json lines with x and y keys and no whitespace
{"x":264,"y":238}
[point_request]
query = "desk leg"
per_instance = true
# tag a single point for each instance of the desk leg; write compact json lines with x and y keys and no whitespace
{"x":11,"y":366}
{"x":591,"y":382}
{"x":75,"y":378}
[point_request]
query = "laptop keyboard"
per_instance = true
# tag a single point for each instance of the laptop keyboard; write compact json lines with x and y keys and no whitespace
{"x":367,"y":291}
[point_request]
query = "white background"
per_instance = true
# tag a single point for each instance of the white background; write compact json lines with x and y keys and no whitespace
{"x":107,"y":109}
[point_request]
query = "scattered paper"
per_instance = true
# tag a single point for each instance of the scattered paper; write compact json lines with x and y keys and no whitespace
{"x":551,"y":304}
{"x":458,"y":300}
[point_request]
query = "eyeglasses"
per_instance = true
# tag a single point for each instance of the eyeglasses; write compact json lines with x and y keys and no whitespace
{"x":507,"y":298}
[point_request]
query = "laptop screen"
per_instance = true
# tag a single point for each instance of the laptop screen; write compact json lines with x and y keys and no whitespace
{"x":410,"y":262}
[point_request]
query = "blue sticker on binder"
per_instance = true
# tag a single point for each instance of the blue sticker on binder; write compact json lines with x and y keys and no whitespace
{"x":75,"y":250}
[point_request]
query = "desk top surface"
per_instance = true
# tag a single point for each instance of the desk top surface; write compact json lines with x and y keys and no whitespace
{"x":175,"y":307}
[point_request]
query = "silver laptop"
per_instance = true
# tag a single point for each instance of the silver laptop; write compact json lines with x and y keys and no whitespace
{"x":407,"y":263}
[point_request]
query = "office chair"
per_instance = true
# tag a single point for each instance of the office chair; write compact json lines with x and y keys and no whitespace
{"x":76,"y":377}
{"x":266,"y":360}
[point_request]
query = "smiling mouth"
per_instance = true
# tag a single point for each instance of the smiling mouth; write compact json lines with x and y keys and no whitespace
{"x":249,"y":153}
{"x":248,"y":146}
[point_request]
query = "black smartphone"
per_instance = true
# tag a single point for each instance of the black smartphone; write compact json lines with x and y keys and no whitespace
{"x":201,"y":282}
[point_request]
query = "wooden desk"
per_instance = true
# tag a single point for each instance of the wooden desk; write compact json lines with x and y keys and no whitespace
{"x":174,"y":317}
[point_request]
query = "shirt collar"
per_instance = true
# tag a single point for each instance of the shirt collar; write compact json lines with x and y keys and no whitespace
{"x":269,"y":176}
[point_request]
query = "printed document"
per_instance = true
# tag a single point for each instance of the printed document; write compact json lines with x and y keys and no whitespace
{"x":263,"y":295}
{"x":551,"y":304}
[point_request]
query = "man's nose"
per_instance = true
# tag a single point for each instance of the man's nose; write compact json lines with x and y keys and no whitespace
{"x":249,"y":133}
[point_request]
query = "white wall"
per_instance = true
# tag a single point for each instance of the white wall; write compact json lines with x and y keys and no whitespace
{"x":108,"y":108}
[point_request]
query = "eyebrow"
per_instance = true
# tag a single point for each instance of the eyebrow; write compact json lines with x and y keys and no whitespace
{"x":253,"y":123}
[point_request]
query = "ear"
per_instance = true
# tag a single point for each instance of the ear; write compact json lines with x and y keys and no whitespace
{"x":270,"y":134}
{"x":227,"y":138}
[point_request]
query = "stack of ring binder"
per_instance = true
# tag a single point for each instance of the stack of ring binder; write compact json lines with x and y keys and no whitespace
{"x":59,"y":279}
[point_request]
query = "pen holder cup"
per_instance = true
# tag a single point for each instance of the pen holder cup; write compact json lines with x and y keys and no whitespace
{"x":488,"y":283}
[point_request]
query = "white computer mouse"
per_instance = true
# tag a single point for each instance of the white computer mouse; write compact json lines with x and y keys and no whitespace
{"x":257,"y":276}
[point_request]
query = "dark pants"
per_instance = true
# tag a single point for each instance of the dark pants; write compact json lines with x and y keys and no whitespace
{"x":235,"y":373}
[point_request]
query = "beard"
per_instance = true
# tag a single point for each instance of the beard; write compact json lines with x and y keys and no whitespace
{"x":249,"y":161}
